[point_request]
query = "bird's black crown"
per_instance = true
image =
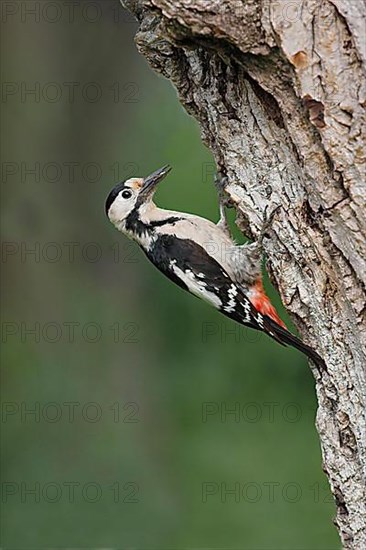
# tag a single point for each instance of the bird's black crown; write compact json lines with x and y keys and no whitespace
{"x":112,"y":195}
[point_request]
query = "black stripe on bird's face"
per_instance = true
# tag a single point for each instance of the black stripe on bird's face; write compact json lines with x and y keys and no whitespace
{"x":138,"y":227}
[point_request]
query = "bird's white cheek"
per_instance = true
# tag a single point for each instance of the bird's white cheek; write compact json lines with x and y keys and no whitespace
{"x":114,"y":215}
{"x":118,"y":212}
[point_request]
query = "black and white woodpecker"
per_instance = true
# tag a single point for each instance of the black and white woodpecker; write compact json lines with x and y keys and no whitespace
{"x":200,"y":256}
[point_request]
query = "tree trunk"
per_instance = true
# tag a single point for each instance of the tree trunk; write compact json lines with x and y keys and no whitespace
{"x":278,"y":89}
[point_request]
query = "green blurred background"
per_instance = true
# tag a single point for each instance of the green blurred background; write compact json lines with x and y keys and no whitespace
{"x":132,"y":381}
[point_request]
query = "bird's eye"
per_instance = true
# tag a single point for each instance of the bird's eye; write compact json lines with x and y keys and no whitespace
{"x":126,"y":194}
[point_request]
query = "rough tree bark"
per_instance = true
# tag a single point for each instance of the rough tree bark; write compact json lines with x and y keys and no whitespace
{"x":278,"y":89}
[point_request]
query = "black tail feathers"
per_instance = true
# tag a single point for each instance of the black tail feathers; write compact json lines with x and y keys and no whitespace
{"x":285,"y":338}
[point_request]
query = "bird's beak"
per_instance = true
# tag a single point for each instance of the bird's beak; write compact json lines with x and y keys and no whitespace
{"x":150,"y":183}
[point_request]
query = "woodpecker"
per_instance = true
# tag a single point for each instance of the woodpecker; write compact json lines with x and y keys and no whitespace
{"x":201,"y":256}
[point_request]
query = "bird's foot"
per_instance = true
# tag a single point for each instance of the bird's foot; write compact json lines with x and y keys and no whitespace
{"x":221,"y":183}
{"x":266,"y":224}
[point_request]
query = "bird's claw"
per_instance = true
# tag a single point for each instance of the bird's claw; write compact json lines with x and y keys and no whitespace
{"x":267,"y":222}
{"x":221,"y":182}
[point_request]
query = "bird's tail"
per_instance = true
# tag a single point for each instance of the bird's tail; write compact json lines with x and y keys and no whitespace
{"x":284,"y":337}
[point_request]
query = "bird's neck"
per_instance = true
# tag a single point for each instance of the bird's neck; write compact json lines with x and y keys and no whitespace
{"x":142,"y":222}
{"x":149,"y":213}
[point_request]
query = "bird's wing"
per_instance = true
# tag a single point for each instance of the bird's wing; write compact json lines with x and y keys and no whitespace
{"x":192,"y":268}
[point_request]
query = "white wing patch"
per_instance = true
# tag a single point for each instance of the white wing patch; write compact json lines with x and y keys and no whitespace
{"x":259,"y":320}
{"x":232,"y":292}
{"x":196,"y":286}
{"x":246,"y":306}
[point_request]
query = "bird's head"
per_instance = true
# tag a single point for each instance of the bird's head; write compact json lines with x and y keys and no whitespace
{"x":132,"y":194}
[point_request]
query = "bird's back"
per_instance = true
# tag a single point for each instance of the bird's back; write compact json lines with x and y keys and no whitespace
{"x":202,"y":231}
